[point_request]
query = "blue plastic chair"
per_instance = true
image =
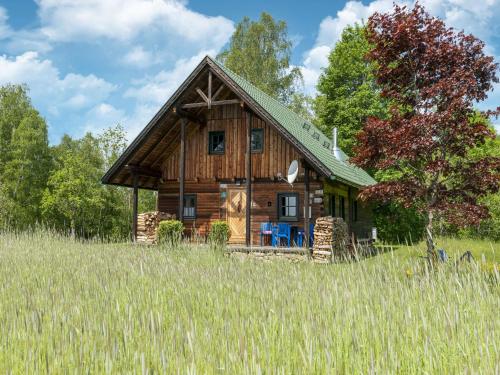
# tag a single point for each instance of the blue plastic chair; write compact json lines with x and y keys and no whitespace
{"x":282,"y":230}
{"x":299,"y":237}
{"x":266,"y":229}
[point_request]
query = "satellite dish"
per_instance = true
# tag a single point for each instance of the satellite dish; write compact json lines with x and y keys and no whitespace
{"x":293,"y":171}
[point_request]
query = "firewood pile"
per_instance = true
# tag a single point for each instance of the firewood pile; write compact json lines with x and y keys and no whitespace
{"x":147,"y":224}
{"x":330,"y":239}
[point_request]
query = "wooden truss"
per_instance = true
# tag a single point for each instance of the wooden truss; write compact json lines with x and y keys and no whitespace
{"x":210,"y":100}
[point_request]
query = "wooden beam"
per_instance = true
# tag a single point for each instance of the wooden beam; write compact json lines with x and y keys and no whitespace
{"x":182,"y":168}
{"x":135,"y":204}
{"x":306,"y":205}
{"x":190,"y":116}
{"x":248,"y":232}
{"x":213,"y":103}
{"x":209,"y":89}
{"x":143,"y":171}
{"x":202,"y":94}
{"x":154,"y":145}
{"x":217,"y":92}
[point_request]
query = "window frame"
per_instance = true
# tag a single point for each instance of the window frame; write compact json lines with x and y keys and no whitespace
{"x":279,"y":206}
{"x":342,"y":207}
{"x":212,"y":134}
{"x":261,"y":149}
{"x":195,"y":200}
{"x":333,"y":205}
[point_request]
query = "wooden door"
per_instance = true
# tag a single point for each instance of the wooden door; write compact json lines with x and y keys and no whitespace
{"x":236,"y":216}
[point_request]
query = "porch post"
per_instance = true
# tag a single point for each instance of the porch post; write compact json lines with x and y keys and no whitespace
{"x":135,"y":200}
{"x":306,"y":205}
{"x":248,"y":213}
{"x":182,"y":162}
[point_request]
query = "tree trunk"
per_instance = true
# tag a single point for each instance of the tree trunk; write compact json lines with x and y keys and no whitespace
{"x":431,"y":251}
{"x":73,"y":225}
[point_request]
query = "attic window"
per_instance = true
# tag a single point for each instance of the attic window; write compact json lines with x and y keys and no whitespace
{"x":316,"y":135}
{"x":326,"y":144}
{"x":306,"y":126}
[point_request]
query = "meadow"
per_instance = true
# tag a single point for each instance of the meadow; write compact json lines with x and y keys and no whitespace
{"x":89,"y":307}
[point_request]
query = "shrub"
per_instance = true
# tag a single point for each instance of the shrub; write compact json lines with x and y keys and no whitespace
{"x":397,"y":224}
{"x":219,"y":233}
{"x":170,"y":232}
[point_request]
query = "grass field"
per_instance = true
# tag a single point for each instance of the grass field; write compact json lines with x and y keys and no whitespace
{"x":69,"y":307}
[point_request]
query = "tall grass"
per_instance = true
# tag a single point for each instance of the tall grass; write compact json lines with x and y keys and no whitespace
{"x":101,"y":308}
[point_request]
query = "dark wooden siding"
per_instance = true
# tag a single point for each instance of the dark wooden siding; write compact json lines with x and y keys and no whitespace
{"x":275,"y":158}
{"x":211,"y":203}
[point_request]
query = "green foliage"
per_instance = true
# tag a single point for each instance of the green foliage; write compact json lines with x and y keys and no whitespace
{"x":100,"y":308}
{"x":347,"y":90}
{"x":170,"y":232}
{"x":396,"y":224}
{"x":219,"y":233}
{"x":25,"y":159}
{"x":260,"y":52}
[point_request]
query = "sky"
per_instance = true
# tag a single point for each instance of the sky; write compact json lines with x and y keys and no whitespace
{"x":91,"y":64}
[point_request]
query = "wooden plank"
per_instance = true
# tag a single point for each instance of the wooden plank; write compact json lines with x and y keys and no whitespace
{"x":182,"y":157}
{"x":248,"y":178}
{"x":306,"y":205}
{"x":135,"y":203}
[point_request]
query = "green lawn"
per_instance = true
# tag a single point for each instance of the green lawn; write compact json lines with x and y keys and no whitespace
{"x":100,"y":308}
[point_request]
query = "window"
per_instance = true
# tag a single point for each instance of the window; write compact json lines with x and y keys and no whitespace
{"x":288,"y":206}
{"x":216,"y":143}
{"x":189,"y":206}
{"x":354,"y":210}
{"x":257,"y":140}
{"x":332,"y":205}
{"x":342,"y":207}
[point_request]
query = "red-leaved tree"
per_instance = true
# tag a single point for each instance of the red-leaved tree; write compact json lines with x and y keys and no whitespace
{"x":432,"y":76}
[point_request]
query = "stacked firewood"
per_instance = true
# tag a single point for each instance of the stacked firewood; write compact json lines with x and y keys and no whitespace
{"x":330,"y":239}
{"x":147,"y":224}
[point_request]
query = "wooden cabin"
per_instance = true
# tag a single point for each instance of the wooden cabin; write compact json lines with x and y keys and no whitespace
{"x":220,"y":142}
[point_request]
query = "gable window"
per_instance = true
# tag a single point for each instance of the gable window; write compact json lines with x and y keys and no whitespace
{"x":342,"y":207}
{"x":288,"y":206}
{"x":190,"y":206}
{"x":257,"y":140}
{"x":216,"y":143}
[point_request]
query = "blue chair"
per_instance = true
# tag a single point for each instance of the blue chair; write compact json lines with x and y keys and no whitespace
{"x":266,"y":229}
{"x":282,"y":230}
{"x":299,"y":237}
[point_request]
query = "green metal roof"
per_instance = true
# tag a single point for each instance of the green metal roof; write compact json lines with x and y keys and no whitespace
{"x":304,"y":132}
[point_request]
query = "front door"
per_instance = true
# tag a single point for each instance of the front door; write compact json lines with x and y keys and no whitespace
{"x":237,"y":199}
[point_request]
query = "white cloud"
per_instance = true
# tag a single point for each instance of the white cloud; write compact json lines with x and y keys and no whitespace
{"x":158,"y":88}
{"x":49,"y":91}
{"x":140,"y":58}
{"x":124,"y":20}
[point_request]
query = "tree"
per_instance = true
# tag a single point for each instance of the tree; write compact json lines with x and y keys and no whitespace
{"x":14,"y":105}
{"x":26,"y":172}
{"x":260,"y":52}
{"x":348,"y":94}
{"x":74,"y":196}
{"x":25,"y":159}
{"x":432,"y":77}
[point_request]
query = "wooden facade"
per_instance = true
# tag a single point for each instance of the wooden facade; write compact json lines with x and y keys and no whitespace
{"x":175,"y":155}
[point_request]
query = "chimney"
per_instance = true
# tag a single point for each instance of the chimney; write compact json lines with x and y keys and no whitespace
{"x":337,"y":152}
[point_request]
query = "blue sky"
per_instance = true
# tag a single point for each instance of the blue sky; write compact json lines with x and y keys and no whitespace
{"x":93,"y":63}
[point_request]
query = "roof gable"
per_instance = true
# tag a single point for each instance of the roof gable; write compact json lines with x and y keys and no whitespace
{"x":304,"y":132}
{"x":308,"y":139}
